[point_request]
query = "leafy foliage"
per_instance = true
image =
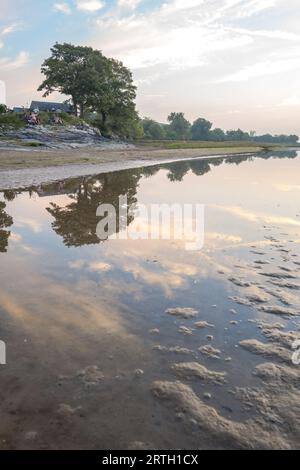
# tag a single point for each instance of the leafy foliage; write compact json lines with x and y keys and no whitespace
{"x":180,"y":129}
{"x":200,"y":129}
{"x":179,"y":125}
{"x":98,"y":86}
{"x":3,"y":109}
{"x":5,"y":222}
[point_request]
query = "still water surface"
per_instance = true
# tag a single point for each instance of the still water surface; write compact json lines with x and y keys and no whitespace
{"x":93,"y":357}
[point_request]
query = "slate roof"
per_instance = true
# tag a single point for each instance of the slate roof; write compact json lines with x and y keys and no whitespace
{"x":48,"y":106}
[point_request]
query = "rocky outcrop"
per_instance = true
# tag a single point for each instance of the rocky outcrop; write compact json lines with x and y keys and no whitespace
{"x":57,"y":137}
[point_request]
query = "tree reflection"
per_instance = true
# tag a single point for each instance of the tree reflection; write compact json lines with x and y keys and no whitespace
{"x":5,"y":222}
{"x":77,"y":222}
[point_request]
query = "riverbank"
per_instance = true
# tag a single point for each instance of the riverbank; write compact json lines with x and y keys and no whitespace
{"x":13,"y":159}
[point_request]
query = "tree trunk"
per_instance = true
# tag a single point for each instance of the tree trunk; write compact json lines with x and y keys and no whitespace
{"x":75,"y":107}
{"x":104,"y":117}
{"x":81,"y":110}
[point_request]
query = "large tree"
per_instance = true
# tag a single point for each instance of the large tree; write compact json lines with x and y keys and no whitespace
{"x":153,"y":130}
{"x":200,"y":129}
{"x":94,"y":82}
{"x":179,"y":125}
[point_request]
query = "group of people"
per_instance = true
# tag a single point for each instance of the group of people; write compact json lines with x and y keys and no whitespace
{"x":32,"y":118}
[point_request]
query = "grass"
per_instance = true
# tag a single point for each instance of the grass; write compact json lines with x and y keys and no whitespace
{"x":17,"y":121}
{"x":33,"y":144}
{"x":173,"y":145}
{"x":11,"y":120}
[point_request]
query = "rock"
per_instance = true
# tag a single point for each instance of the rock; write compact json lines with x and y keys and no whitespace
{"x":67,"y":410}
{"x":91,"y":375}
{"x":207,"y":396}
{"x":278,"y":310}
{"x":262,"y":324}
{"x":239,"y":282}
{"x":209,"y":351}
{"x":284,"y":338}
{"x":173,"y":349}
{"x":154,"y":331}
{"x":223,"y":433}
{"x":203,"y":324}
{"x":279,"y":275}
{"x":190,"y":370}
{"x":258,"y":298}
{"x":60,"y":137}
{"x":268,"y":350}
{"x":138,"y":445}
{"x":138,"y":372}
{"x":271,"y":372}
{"x":185,"y":330}
{"x":31,"y":435}
{"x":240,"y":300}
{"x":285,"y":284}
{"x":184,"y":312}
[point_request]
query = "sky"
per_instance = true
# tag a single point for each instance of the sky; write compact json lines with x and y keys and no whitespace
{"x":234,"y":62}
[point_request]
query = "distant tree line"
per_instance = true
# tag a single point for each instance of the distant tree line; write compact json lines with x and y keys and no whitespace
{"x":179,"y":128}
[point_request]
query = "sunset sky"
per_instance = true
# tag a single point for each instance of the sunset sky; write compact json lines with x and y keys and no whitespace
{"x":235,"y":62}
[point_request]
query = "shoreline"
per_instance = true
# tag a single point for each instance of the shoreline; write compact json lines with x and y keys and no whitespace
{"x":20,"y":171}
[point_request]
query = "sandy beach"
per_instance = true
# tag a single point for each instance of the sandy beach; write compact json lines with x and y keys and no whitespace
{"x":25,"y":168}
{"x":12,"y":159}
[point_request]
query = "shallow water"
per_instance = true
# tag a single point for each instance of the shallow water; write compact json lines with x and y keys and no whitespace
{"x":85,"y":322}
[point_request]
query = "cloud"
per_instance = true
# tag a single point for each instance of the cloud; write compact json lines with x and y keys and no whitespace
{"x":287,"y":187}
{"x":62,"y":8}
{"x":291,"y":101}
{"x":8,"y":30}
{"x":130,"y":4}
{"x":99,"y":266}
{"x":179,"y":34}
{"x":272,"y":34}
{"x":12,"y":64}
{"x":89,"y":5}
{"x":250,"y":216}
{"x":250,"y":8}
{"x":267,"y":67}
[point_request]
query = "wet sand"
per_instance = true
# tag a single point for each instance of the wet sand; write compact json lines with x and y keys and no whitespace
{"x":11,"y":159}
{"x":134,"y":344}
{"x":21,"y":169}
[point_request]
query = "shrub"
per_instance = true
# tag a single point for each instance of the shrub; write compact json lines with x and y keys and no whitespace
{"x":12,"y":120}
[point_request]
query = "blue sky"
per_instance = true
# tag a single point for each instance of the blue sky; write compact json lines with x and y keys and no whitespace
{"x":236,"y":62}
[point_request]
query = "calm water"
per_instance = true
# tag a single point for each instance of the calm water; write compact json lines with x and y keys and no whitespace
{"x":77,"y":314}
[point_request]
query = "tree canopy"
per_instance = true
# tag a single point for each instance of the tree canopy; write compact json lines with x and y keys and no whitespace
{"x":200,"y":129}
{"x":5,"y":222}
{"x":179,"y":125}
{"x":179,"y":128}
{"x":96,"y":84}
{"x":3,"y":108}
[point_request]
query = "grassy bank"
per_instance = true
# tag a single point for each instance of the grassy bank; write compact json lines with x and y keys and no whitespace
{"x":229,"y":145}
